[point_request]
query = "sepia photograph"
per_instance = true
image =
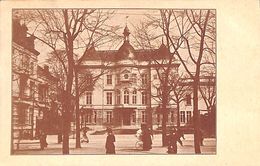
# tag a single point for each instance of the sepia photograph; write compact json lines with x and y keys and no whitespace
{"x":113,"y":81}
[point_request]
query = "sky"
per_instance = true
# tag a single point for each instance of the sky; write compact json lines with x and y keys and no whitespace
{"x":121,"y":18}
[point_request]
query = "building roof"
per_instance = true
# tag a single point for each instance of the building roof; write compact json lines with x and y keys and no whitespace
{"x":20,"y":36}
{"x":126,"y":51}
{"x":44,"y":72}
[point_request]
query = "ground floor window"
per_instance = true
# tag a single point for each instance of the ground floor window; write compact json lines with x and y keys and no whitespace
{"x":182,"y":116}
{"x":88,"y":118}
{"x":144,"y":117}
{"x":109,"y":116}
{"x":95,"y":117}
{"x":134,"y":117}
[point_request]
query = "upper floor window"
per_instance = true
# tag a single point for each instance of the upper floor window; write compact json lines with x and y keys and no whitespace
{"x":109,"y":98}
{"x":188,"y":99}
{"x":188,"y":116}
{"x":144,"y":79}
{"x":32,"y":85}
{"x":126,"y":76}
{"x":25,"y":62}
{"x":88,"y":98}
{"x":134,"y":78}
{"x":144,"y":97}
{"x":134,"y":96}
{"x":118,"y":97}
{"x":88,"y":79}
{"x":172,"y":116}
{"x":182,"y":116}
{"x":126,"y":97}
{"x":43,"y":92}
{"x":109,"y":79}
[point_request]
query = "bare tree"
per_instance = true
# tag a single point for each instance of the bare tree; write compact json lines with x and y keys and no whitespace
{"x":70,"y":30}
{"x":199,"y":39}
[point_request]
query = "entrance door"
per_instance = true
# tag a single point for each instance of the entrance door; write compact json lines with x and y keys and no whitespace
{"x":126,"y":118}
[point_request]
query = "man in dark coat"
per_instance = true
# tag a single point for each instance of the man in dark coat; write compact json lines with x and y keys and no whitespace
{"x":172,"y":142}
{"x":110,"y":147}
{"x":146,"y":138}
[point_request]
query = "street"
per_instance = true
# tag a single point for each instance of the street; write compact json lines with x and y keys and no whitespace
{"x":125,"y":144}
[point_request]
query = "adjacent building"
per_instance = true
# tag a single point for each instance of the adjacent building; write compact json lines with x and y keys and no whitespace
{"x":34,"y":89}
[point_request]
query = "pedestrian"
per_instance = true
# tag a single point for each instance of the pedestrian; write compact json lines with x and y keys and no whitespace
{"x":110,"y":147}
{"x":84,"y":137}
{"x":201,"y":137}
{"x":42,"y":137}
{"x":179,"y":136}
{"x":146,"y":138}
{"x":172,"y":142}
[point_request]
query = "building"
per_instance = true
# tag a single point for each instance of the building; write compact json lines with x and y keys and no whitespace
{"x":119,"y":85}
{"x":34,"y":89}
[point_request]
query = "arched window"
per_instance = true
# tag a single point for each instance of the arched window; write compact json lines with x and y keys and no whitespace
{"x":134,"y":96}
{"x":144,"y":99}
{"x":126,"y":96}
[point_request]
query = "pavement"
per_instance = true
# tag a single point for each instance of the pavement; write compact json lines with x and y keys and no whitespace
{"x":125,"y":145}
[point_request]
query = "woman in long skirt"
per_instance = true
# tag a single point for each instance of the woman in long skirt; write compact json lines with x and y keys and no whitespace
{"x":110,"y":147}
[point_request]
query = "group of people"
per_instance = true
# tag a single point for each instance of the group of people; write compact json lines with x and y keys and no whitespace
{"x":144,"y":134}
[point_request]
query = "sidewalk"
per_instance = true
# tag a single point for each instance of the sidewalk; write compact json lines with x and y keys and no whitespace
{"x":125,"y":144}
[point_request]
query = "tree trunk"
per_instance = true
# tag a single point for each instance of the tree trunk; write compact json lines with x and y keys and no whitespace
{"x":77,"y":111}
{"x":178,"y":115}
{"x":196,"y":116}
{"x":164,"y":120}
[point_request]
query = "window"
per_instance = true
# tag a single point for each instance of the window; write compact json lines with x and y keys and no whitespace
{"x":109,"y":116}
{"x":109,"y":79}
{"x":88,"y":79}
{"x":22,"y":85}
{"x":118,"y":97}
{"x":126,"y":97}
{"x":134,"y":78}
{"x":25,"y":62}
{"x":134,"y":117}
{"x":188,"y":116}
{"x":43,"y":92}
{"x":158,"y":118}
{"x":144,"y":100}
{"x":32,"y":85}
{"x":188,"y":99}
{"x":144,"y":79}
{"x":172,"y":116}
{"x":109,"y":98}
{"x":88,"y":98}
{"x":134,"y":97}
{"x":88,"y":117}
{"x":30,"y":116}
{"x":31,"y":68}
{"x":182,"y":118}
{"x":21,"y":115}
{"x":126,"y":76}
{"x":95,"y":117}
{"x":144,"y":118}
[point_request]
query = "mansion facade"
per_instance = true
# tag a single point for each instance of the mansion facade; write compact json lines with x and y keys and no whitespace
{"x":121,"y":87}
